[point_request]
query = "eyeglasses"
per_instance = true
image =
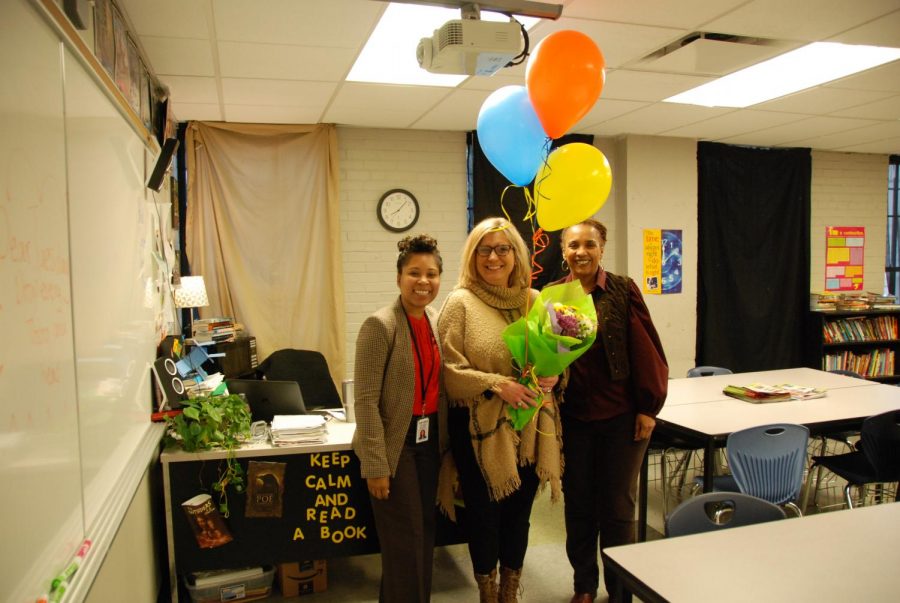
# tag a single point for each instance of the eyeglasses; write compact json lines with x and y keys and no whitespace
{"x":485,"y":250}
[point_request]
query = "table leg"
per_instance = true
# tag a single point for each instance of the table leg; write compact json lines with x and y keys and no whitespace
{"x":642,"y":498}
{"x":709,"y":465}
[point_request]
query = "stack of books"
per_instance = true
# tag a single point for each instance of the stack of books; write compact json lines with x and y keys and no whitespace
{"x":758,"y":393}
{"x":213,"y":330}
{"x":288,"y":430}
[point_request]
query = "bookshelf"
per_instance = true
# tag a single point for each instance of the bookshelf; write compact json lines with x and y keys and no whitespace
{"x":863,"y":341}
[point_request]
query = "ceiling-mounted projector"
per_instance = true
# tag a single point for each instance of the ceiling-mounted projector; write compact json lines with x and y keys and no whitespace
{"x":470,"y":47}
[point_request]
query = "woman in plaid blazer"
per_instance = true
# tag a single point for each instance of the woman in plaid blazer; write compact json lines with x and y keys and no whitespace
{"x":401,"y":421}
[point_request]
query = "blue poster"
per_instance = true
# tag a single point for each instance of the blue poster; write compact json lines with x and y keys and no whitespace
{"x":671,"y":261}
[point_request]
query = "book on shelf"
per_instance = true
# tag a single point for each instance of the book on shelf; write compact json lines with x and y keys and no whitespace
{"x":265,"y":489}
{"x":206,"y":522}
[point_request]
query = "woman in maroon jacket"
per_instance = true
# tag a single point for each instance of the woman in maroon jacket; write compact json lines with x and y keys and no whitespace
{"x":615,"y":390}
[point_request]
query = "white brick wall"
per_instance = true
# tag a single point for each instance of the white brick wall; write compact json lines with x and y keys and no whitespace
{"x":849,"y":189}
{"x":432,"y":166}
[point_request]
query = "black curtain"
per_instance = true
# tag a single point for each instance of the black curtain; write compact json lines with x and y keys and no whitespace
{"x":486,"y":185}
{"x":753,"y":256}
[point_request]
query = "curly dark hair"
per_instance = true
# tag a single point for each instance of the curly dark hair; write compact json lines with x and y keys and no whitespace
{"x":421,"y":243}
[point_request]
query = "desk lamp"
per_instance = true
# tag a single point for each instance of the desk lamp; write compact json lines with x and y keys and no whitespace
{"x":190,"y":294}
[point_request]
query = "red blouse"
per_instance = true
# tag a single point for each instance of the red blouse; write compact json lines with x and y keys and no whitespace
{"x":428,"y":368}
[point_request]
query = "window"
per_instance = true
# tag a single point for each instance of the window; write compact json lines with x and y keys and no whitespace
{"x":892,"y":261}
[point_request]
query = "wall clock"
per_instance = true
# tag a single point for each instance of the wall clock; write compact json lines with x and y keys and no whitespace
{"x":398,"y":210}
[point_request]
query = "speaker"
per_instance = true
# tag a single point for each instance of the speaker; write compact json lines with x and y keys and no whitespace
{"x":169,"y":381}
{"x":163,"y":160}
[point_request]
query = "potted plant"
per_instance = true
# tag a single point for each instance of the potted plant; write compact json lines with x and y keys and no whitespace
{"x":209,"y":422}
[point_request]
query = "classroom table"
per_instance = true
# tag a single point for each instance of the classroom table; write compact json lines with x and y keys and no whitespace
{"x":847,"y":555}
{"x":697,"y":412}
{"x":326,"y":510}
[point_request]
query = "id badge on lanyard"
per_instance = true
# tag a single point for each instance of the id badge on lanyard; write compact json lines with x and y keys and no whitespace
{"x":422,"y":430}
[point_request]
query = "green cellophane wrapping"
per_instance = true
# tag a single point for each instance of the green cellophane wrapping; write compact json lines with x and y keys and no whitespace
{"x":544,"y":356}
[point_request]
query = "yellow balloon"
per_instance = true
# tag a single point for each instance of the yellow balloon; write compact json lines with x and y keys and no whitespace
{"x":571,"y":186}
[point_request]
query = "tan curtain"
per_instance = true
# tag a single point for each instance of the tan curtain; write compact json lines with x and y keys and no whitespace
{"x":263,"y":229}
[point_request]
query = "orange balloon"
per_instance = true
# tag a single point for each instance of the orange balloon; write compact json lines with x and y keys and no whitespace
{"x":564,"y":77}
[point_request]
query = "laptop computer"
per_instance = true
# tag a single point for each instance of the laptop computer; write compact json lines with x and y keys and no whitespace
{"x":269,"y":398}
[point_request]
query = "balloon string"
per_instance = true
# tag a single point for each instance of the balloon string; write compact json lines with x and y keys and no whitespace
{"x":541,"y":241}
{"x":502,"y":206}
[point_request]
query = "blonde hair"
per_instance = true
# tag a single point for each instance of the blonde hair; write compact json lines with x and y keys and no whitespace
{"x":521,"y":274}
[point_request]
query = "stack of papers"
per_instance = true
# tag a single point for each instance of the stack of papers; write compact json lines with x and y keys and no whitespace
{"x":298,"y":429}
{"x":801,"y":392}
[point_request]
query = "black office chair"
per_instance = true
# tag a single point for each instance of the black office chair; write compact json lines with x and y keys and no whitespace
{"x":308,"y":368}
{"x":718,"y":511}
{"x":878,"y":461}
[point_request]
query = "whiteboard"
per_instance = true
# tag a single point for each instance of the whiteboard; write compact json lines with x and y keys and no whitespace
{"x":81,"y":292}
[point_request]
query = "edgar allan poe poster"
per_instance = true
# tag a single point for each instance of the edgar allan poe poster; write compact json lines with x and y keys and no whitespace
{"x":265,"y":489}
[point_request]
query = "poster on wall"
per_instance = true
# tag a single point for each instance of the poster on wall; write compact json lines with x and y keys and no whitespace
{"x":844,"y":257}
{"x":662,"y":261}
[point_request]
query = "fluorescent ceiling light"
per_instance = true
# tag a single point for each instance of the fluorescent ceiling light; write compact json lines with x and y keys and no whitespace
{"x":799,"y":69}
{"x":389,"y":56}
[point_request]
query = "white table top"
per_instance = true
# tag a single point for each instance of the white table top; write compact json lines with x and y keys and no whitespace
{"x":849,"y":555}
{"x":340,"y":435}
{"x":694,"y":390}
{"x":723,"y":416}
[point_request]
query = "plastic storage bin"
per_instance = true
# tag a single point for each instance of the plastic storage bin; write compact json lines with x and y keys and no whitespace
{"x":233,"y":585}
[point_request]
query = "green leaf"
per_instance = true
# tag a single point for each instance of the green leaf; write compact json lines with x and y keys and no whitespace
{"x":192,"y":413}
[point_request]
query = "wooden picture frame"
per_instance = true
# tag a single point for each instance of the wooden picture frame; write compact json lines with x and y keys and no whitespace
{"x":104,"y":42}
{"x":122,"y":72}
{"x":146,"y":100}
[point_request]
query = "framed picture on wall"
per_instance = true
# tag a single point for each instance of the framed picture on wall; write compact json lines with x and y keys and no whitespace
{"x":135,"y":72}
{"x":146,"y":99}
{"x":122,"y":73}
{"x":104,"y":43}
{"x":173,"y":187}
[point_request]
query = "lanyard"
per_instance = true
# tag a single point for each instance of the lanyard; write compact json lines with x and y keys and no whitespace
{"x":423,"y":385}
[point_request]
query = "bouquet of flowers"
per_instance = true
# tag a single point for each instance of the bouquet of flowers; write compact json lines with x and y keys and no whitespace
{"x":560,"y":326}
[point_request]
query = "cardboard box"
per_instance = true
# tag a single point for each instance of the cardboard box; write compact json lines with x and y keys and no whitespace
{"x":303,"y":577}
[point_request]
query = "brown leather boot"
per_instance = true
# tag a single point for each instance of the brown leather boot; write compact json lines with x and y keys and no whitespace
{"x":509,"y":585}
{"x":487,"y":587}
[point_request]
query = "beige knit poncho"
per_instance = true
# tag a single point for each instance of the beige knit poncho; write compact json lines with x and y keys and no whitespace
{"x":476,"y":359}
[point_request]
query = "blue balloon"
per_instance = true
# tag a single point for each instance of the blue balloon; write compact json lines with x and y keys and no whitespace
{"x":511,"y":135}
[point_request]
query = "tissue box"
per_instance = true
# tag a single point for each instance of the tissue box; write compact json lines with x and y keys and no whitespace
{"x":244,"y":584}
{"x":302,"y":577}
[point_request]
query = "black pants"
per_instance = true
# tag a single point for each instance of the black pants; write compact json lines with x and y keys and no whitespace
{"x":405,"y":521}
{"x":497,"y":530}
{"x":600,"y":486}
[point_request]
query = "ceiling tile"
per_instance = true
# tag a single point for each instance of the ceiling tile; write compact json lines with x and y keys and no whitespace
{"x":460,"y":108}
{"x":659,"y":117}
{"x":689,"y":14}
{"x":732,"y":124}
{"x":198,"y":89}
{"x":801,"y":20}
{"x":196,"y":111}
{"x":335,"y":23}
{"x":386,"y":106}
{"x":268,"y":114}
{"x":644,"y":86}
{"x":800,"y":130}
{"x":888,"y":146}
{"x":167,"y":18}
{"x":855,"y":137}
{"x":280,"y":61}
{"x":605,"y":109}
{"x":821,"y":100}
{"x":885,"y":78}
{"x":174,"y":56}
{"x":888,"y":108}
{"x":287,"y":93}
{"x":620,"y":43}
{"x":880,"y":32}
